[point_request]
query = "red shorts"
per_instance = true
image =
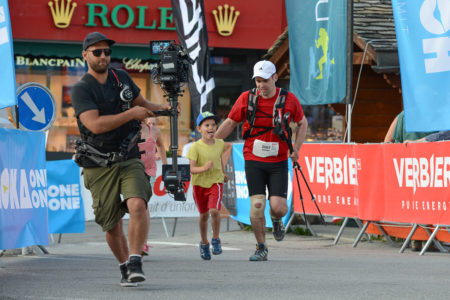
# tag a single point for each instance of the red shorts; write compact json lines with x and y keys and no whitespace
{"x":208,"y":198}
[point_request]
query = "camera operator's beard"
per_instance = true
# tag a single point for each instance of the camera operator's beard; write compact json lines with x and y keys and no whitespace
{"x":99,"y":68}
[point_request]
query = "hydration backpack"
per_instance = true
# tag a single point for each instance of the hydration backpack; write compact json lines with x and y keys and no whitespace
{"x":252,"y":107}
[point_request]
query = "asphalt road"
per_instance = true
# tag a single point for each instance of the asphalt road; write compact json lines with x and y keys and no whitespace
{"x":300,"y":267}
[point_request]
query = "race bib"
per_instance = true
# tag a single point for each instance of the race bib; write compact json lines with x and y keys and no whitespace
{"x":265,"y":149}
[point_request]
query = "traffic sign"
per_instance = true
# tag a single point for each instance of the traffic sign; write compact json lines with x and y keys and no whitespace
{"x":36,"y":107}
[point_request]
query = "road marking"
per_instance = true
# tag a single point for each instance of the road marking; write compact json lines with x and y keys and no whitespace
{"x":186,"y":244}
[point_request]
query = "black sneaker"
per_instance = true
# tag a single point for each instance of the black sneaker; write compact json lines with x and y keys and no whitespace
{"x":135,"y":273}
{"x":124,"y":280}
{"x":278,"y":229}
{"x":261,"y":253}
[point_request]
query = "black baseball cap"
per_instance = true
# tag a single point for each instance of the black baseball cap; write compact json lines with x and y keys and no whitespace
{"x":95,"y":37}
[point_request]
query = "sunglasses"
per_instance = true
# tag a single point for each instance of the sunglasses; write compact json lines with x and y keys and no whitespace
{"x":98,"y":52}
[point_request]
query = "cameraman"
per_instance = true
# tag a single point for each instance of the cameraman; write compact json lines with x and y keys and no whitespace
{"x":109,"y":126}
{"x":265,"y":154}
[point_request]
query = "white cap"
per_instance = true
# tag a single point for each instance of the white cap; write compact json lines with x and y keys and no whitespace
{"x":264,"y":69}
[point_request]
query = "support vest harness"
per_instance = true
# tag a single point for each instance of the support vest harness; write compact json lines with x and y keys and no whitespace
{"x":252,"y":108}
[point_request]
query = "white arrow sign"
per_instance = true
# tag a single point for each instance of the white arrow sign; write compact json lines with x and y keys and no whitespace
{"x":39,"y":115}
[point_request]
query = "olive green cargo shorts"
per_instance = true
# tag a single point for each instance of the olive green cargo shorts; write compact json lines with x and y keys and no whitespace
{"x":106,"y":185}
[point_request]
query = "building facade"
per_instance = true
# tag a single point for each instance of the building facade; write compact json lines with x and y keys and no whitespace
{"x":48,"y":36}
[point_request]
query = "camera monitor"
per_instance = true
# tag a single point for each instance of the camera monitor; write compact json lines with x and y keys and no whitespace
{"x":184,"y":170}
{"x":156,"y":47}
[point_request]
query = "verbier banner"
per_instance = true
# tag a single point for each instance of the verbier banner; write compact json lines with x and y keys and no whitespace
{"x":192,"y":34}
{"x":317,"y":50}
{"x":423,"y":37}
{"x":7,"y":75}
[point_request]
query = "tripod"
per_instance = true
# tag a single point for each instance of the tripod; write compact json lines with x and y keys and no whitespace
{"x":283,"y":130}
{"x":297,"y":169}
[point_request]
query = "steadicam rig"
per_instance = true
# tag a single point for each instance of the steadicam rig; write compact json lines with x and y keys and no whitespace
{"x":171,"y":73}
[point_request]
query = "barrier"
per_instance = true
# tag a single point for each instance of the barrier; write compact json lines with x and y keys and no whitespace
{"x":348,"y":181}
{"x":23,"y":196}
{"x":397,"y":183}
{"x":65,"y":204}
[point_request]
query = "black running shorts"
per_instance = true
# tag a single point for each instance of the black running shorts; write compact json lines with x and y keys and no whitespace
{"x":260,"y":175}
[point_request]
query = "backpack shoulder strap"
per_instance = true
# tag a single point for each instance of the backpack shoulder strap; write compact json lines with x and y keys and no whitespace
{"x":280,"y":102}
{"x":252,"y":104}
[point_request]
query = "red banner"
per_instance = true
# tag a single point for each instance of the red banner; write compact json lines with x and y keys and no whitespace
{"x":380,"y":182}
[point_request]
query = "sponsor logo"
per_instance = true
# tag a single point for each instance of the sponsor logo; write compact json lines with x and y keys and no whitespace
{"x":323,"y":39}
{"x":64,"y":197}
{"x":435,"y":18}
{"x":4,"y":37}
{"x":49,"y":62}
{"x":421,"y":172}
{"x":226,"y":18}
{"x":241,"y":185}
{"x":62,"y":13}
{"x":333,"y":170}
{"x":322,"y":42}
{"x":23,"y":189}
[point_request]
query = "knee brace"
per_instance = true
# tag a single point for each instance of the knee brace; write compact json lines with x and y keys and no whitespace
{"x":257,"y":206}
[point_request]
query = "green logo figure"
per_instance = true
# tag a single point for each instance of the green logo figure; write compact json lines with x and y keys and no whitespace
{"x":323,"y":42}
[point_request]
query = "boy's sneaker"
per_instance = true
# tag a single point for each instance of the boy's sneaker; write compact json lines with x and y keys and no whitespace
{"x":278,"y":229}
{"x":204,"y":251}
{"x":216,"y":246}
{"x":135,"y":273}
{"x":145,"y":250}
{"x":260,"y":253}
{"x":124,"y":280}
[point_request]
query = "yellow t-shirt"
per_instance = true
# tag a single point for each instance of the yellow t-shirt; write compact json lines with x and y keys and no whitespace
{"x":202,"y":153}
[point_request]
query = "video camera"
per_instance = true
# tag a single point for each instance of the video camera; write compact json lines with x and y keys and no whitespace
{"x":173,"y":67}
{"x":171,"y":72}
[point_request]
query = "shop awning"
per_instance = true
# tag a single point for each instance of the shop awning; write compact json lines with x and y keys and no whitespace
{"x":74,"y":50}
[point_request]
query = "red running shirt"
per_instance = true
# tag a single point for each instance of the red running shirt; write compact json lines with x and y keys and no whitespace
{"x":239,"y":114}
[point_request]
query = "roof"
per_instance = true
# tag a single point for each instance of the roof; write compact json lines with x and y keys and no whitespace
{"x":373,"y":22}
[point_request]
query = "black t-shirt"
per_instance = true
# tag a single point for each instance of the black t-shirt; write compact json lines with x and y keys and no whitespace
{"x":89,"y":94}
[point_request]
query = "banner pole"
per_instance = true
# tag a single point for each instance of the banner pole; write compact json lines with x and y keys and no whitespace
{"x":349,"y":87}
{"x":349,"y":122}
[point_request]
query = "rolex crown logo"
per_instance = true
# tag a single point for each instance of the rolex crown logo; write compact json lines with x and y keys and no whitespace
{"x":62,"y":14}
{"x":225,"y":19}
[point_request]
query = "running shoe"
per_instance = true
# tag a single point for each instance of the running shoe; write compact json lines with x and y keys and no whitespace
{"x":135,"y":273}
{"x":216,"y":246}
{"x":124,"y":280}
{"x":204,"y":251}
{"x":261,"y":253}
{"x":278,"y":229}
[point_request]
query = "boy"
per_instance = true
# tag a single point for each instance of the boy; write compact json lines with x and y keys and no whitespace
{"x":207,"y":169}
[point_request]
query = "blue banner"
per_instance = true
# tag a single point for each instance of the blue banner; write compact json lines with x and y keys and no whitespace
{"x":317,"y":50}
{"x":242,"y":196}
{"x":423,"y":37}
{"x":7,"y":75}
{"x":23,"y":195}
{"x":65,"y":204}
